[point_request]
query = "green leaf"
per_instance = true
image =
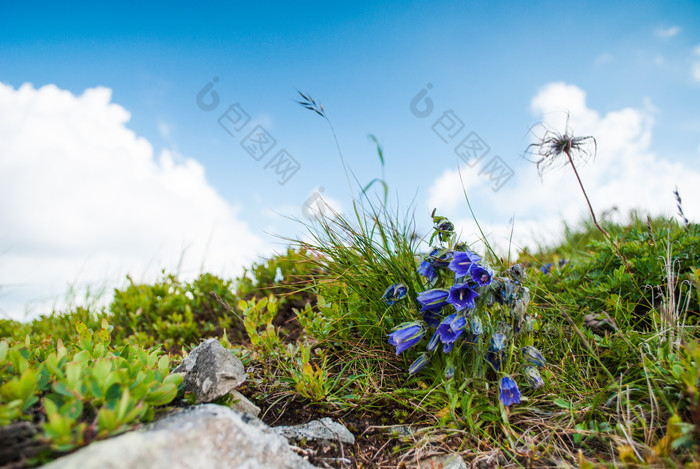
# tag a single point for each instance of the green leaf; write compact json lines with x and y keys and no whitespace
{"x":106,"y":421}
{"x":174,"y":378}
{"x":124,"y":405}
{"x":81,"y":328}
{"x":72,"y":409}
{"x":50,"y":406}
{"x":73,"y":373}
{"x":100,"y":371}
{"x":563,"y":403}
{"x":27,"y":384}
{"x":164,"y":364}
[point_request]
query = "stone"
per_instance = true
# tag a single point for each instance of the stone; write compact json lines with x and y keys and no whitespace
{"x":450,"y":461}
{"x":243,"y":404}
{"x":210,"y":371}
{"x":204,"y":436}
{"x":324,"y":429}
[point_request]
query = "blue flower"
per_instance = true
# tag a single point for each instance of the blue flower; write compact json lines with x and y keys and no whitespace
{"x":420,"y":362}
{"x":451,"y":328}
{"x":394,"y":293}
{"x":426,"y":269}
{"x":461,"y":296}
{"x":546,"y":269}
{"x":532,"y":355}
{"x":406,"y":335}
{"x":462,"y":261}
{"x":449,"y":371}
{"x":495,"y":352}
{"x":509,"y":391}
{"x":481,"y":275}
{"x":533,"y":376}
{"x":431,"y":317}
{"x":433,"y":299}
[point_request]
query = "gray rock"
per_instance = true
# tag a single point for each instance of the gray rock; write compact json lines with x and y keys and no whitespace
{"x":324,"y":429}
{"x":450,"y":461}
{"x":243,"y":404}
{"x":205,"y":436}
{"x":211,"y":371}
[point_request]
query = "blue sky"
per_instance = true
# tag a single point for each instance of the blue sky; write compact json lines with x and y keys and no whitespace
{"x":628,"y":71}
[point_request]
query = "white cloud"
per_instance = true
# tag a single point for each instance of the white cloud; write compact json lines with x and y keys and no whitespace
{"x":667,"y":33}
{"x":83,"y":200}
{"x":695,"y":64}
{"x":625,"y":175}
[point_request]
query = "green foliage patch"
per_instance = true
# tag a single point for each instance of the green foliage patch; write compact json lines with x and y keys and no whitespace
{"x":83,"y":389}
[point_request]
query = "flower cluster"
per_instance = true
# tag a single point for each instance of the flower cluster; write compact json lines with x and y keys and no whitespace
{"x":475,"y":316}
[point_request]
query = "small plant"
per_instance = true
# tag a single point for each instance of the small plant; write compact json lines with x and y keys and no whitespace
{"x":478,"y":320}
{"x":257,"y":314}
{"x":85,"y":389}
{"x":312,"y":380}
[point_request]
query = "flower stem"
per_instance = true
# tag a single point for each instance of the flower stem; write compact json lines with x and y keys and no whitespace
{"x":595,"y":221}
{"x":590,"y":207}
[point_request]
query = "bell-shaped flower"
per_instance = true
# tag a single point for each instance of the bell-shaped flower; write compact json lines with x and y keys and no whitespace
{"x":406,"y":335}
{"x":462,"y":296}
{"x":451,"y":328}
{"x":532,"y":355}
{"x":449,"y":371}
{"x":431,"y":317}
{"x":481,"y":275}
{"x":532,"y":374}
{"x":433,"y":299}
{"x":394,"y":293}
{"x":509,"y":391}
{"x":426,"y":269}
{"x":419,"y":363}
{"x":462,"y":261}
